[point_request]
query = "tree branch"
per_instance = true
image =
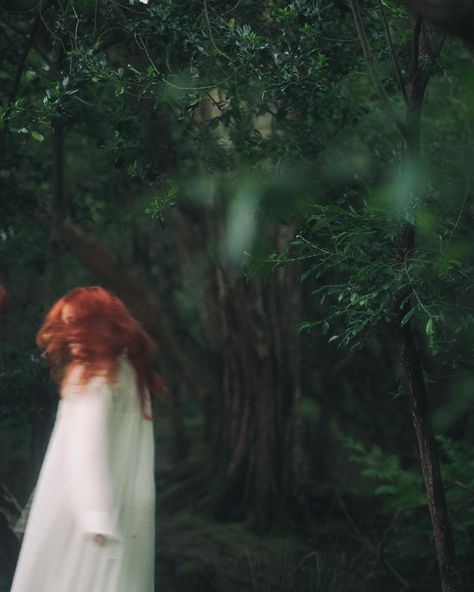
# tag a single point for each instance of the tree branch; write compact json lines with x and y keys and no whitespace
{"x":17,"y":79}
{"x":467,"y":193}
{"x":395,"y":62}
{"x":371,"y":67}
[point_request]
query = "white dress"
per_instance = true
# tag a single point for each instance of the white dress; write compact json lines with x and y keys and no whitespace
{"x":97,"y":477}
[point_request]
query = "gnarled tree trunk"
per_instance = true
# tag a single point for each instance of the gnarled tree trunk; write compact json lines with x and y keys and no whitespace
{"x":260,"y":390}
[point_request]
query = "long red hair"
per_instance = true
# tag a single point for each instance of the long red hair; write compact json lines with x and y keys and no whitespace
{"x":97,"y":331}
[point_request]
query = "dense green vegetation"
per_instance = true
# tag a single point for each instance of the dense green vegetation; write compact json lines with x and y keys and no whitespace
{"x":281,"y":192}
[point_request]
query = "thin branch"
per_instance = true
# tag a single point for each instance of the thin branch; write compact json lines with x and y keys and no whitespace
{"x":211,"y":36}
{"x":371,"y":67}
{"x":467,"y":192}
{"x":48,"y":28}
{"x":395,"y":62}
{"x":218,"y":104}
{"x":230,"y":9}
{"x":376,"y":549}
{"x":76,"y":29}
{"x":143,"y":46}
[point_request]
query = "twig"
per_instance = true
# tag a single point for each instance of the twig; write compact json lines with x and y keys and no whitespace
{"x":375,"y":548}
{"x":143,"y":46}
{"x":211,"y":36}
{"x":254,"y":581}
{"x":218,"y":104}
{"x":463,"y":205}
{"x":76,"y":29}
{"x":231,"y":9}
{"x":48,"y":28}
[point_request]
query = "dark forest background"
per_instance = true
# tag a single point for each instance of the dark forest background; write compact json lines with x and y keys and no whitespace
{"x":281,"y":192}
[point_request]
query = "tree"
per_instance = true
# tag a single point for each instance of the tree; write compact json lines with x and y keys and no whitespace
{"x":348,"y":240}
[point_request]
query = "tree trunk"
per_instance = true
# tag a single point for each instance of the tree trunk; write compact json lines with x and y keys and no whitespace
{"x":442,"y":532}
{"x":423,"y":57}
{"x":255,"y":409}
{"x":420,"y":413}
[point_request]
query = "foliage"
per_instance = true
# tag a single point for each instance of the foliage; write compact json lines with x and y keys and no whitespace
{"x":351,"y":256}
{"x":399,"y":486}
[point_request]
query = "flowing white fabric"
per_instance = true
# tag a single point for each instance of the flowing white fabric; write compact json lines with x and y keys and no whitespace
{"x":97,"y":478}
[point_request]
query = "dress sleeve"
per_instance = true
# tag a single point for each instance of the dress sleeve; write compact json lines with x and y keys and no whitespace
{"x":88,"y":478}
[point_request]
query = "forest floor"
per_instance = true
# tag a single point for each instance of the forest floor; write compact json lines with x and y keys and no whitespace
{"x":194,"y":553}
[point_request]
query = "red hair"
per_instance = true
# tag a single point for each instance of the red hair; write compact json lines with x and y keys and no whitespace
{"x":102,"y":329}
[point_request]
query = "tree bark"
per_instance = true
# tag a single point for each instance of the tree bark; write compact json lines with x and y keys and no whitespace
{"x":249,"y":329}
{"x":255,"y":438}
{"x":420,"y":414}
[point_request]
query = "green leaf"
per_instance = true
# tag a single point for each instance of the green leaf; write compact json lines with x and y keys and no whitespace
{"x":429,"y":327}
{"x":408,"y":315}
{"x":37,"y":136}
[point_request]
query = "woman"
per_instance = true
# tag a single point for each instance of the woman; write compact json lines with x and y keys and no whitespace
{"x":91,"y":524}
